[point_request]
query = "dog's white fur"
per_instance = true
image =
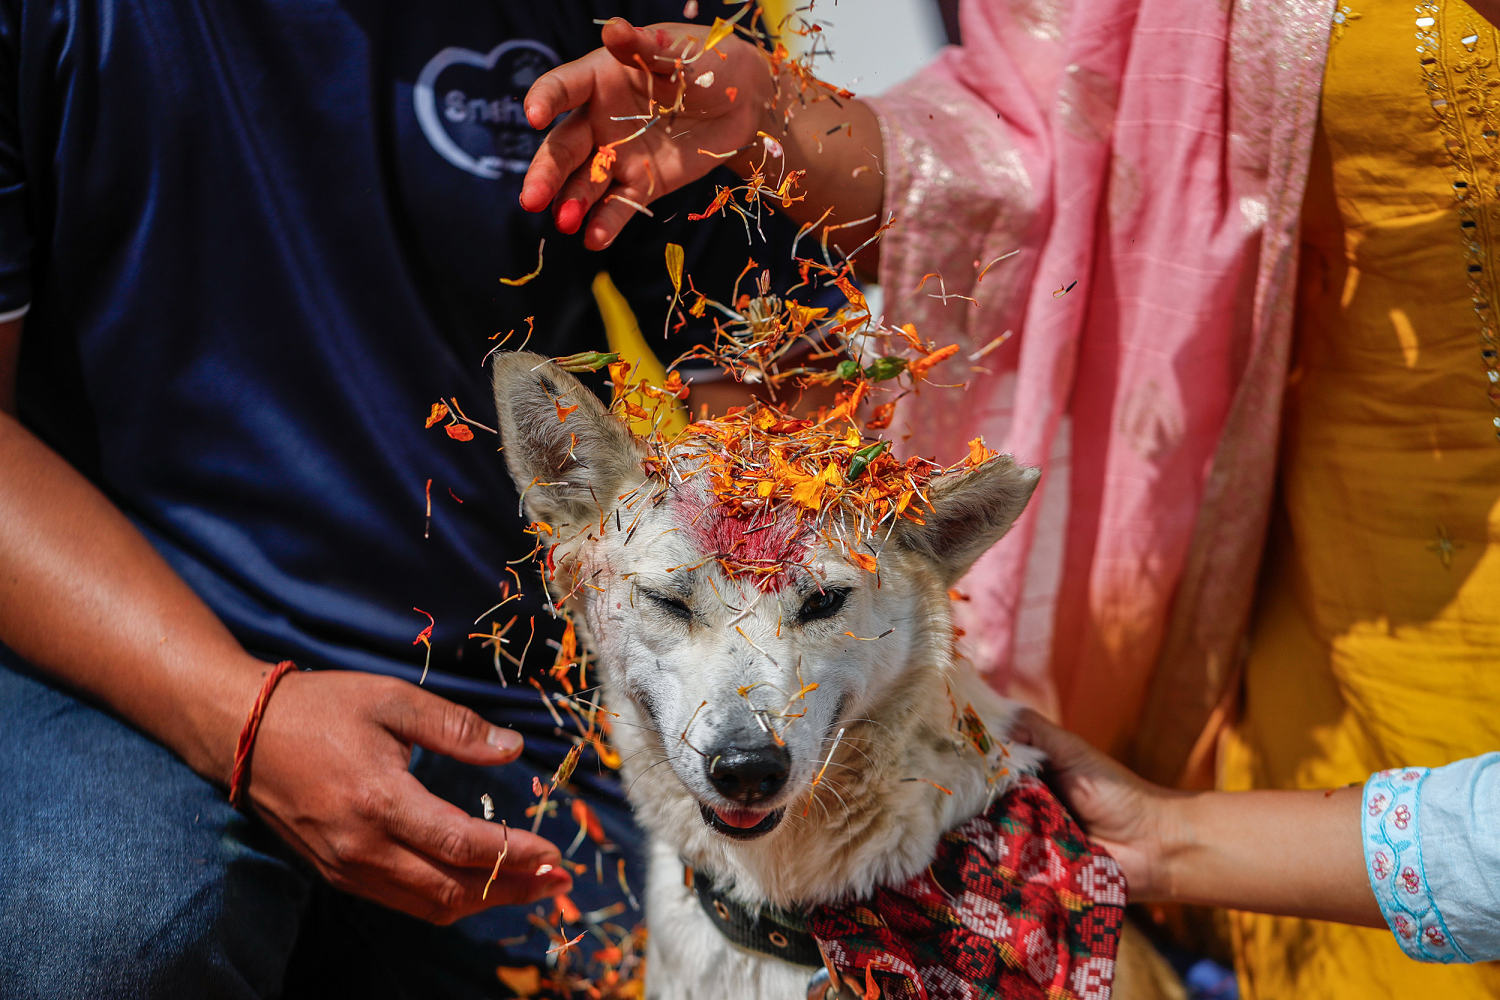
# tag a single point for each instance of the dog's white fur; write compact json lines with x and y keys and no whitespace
{"x":678,"y":682}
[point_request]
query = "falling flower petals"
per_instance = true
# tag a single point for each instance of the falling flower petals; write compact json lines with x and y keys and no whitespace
{"x":920,"y":367}
{"x":523,"y":279}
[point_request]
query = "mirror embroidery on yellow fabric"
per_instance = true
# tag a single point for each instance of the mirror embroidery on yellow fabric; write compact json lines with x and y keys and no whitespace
{"x":1343,"y":16}
{"x":1457,"y":50}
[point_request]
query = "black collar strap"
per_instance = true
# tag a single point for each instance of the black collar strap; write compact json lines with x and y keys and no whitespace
{"x":778,"y":933}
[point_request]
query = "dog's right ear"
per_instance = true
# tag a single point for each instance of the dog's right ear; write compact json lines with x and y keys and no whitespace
{"x":567,"y":454}
{"x":970,"y":510}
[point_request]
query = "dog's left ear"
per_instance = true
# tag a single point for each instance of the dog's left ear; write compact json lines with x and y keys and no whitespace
{"x":971,"y":510}
{"x":567,"y":454}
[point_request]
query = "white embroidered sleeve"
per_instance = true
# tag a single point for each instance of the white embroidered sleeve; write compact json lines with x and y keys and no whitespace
{"x":1432,"y":852}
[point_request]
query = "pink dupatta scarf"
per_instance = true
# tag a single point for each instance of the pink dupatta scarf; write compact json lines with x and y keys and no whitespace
{"x":1148,"y":159}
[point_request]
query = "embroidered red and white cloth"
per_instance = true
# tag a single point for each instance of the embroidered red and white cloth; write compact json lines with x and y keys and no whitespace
{"x":1017,"y":904}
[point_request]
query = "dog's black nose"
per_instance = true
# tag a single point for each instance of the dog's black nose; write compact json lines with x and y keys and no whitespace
{"x":749,"y":775}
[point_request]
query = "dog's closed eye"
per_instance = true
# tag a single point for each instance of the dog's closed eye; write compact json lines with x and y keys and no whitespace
{"x":674,"y":606}
{"x":823,"y":604}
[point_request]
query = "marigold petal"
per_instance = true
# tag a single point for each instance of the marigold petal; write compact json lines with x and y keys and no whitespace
{"x":920,"y":367}
{"x":600,"y":166}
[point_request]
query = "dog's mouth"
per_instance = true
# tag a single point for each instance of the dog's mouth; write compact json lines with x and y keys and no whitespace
{"x":741,"y":824}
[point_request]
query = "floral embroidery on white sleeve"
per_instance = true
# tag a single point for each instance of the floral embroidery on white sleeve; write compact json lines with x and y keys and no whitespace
{"x":1393,"y":861}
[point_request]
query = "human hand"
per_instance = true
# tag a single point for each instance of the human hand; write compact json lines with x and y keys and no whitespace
{"x":330,"y":777}
{"x":713,"y":101}
{"x":1121,"y":811}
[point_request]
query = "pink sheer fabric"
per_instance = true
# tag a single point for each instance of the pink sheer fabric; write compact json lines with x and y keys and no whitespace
{"x":1148,"y":159}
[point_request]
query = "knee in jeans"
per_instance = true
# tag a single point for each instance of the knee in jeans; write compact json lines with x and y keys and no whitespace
{"x":156,"y":913}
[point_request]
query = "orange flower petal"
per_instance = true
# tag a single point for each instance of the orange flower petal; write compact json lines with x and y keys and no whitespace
{"x":603,"y":161}
{"x":920,"y":367}
{"x":978,"y":453}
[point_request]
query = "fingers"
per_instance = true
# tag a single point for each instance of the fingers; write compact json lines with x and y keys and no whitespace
{"x":433,"y":860}
{"x":1064,"y":749}
{"x":413,"y":883}
{"x":453,"y":856}
{"x":560,"y":170}
{"x":572,"y":85}
{"x":450,"y":836}
{"x":561,"y":89}
{"x":608,"y":219}
{"x":418,"y":717}
{"x":578,"y":195}
{"x":1021,"y":726}
{"x":637,"y":47}
{"x":1035,"y":729}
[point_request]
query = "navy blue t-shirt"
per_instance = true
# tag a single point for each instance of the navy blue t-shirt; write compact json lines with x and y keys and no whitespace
{"x":258,"y":240}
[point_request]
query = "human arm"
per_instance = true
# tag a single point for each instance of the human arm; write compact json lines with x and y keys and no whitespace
{"x":830,"y":137}
{"x":1295,"y":853}
{"x":85,"y":597}
{"x":1416,"y":849}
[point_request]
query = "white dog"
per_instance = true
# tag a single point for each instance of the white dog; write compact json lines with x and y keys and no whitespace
{"x":806,"y":722}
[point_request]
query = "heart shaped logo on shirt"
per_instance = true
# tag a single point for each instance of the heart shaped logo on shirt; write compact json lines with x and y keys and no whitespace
{"x":469,"y":106}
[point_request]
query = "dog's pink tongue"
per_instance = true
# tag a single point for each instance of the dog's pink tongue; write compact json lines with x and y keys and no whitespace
{"x":740,"y":819}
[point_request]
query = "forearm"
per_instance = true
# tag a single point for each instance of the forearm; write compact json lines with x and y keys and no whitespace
{"x":86,"y":598}
{"x":836,"y":141}
{"x":1296,"y":853}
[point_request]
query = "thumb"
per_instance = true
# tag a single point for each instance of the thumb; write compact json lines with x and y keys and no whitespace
{"x":653,"y":48}
{"x":450,"y":729}
{"x":1035,"y":729}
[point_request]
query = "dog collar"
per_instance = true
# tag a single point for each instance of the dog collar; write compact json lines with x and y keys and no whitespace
{"x":768,"y":931}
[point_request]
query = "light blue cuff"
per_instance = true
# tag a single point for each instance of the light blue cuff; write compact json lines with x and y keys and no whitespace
{"x":1394,"y":863}
{"x":1460,"y":836}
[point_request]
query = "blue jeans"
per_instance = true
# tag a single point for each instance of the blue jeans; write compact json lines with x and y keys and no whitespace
{"x":124,"y":874}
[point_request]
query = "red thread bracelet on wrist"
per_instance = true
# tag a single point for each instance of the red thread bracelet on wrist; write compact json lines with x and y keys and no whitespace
{"x":239,"y":776}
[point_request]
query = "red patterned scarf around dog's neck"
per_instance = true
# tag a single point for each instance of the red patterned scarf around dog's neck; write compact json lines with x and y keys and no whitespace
{"x":1017,"y":904}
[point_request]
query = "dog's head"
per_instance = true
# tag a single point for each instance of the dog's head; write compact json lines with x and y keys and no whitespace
{"x":747,"y":636}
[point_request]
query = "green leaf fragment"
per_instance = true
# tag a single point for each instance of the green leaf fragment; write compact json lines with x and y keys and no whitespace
{"x":884,"y":368}
{"x":586,"y":361}
{"x":862,"y":458}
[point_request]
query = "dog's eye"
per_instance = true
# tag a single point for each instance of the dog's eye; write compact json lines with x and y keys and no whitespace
{"x":675,"y":606}
{"x":823,"y":604}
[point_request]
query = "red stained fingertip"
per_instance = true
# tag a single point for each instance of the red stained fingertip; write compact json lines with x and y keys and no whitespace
{"x":570,"y":216}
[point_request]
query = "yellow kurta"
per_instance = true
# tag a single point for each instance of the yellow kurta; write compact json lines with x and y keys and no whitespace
{"x":1376,"y":641}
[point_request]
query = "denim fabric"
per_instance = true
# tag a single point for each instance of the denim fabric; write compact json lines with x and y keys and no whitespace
{"x":125,"y":875}
{"x":1432,"y":853}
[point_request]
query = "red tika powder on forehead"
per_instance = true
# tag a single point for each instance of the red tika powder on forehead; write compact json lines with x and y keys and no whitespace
{"x":758,"y":547}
